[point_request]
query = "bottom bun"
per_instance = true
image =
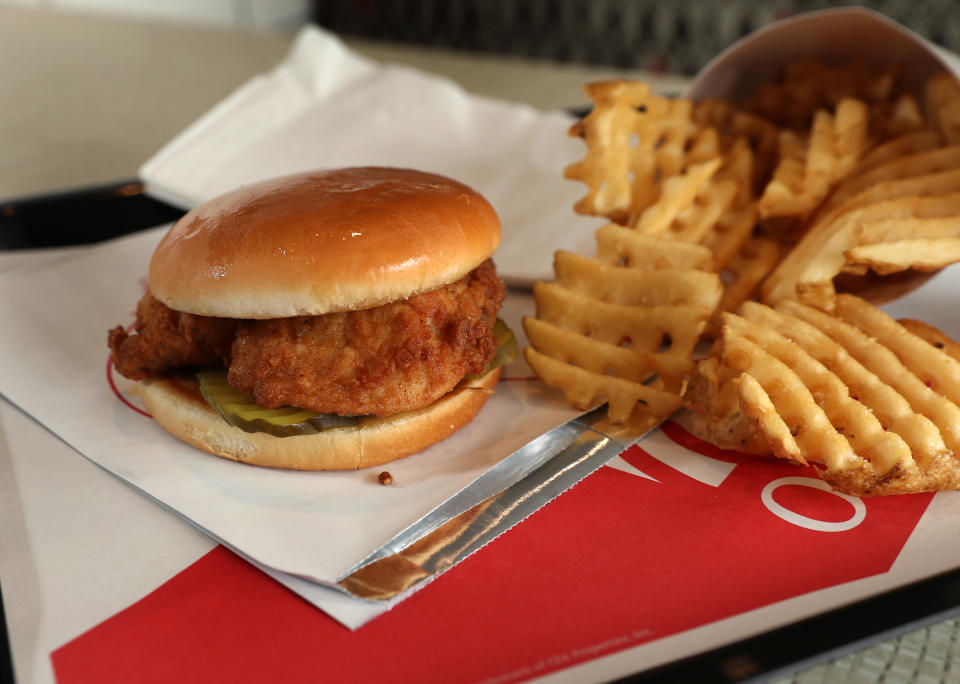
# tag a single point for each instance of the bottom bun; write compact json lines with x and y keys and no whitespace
{"x":178,"y":406}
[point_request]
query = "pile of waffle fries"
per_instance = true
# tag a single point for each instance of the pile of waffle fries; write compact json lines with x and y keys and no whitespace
{"x":747,"y":247}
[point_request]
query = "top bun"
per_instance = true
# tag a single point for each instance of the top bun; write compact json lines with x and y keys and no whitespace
{"x":323,"y":241}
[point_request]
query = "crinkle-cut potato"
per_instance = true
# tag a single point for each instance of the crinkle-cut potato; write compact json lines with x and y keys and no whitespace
{"x":677,"y":194}
{"x":627,"y":341}
{"x":805,"y":86}
{"x":920,"y":254}
{"x":809,"y":168}
{"x":737,"y":125}
{"x":809,"y":269}
{"x":620,"y":246}
{"x":933,"y":335}
{"x":901,"y":154}
{"x":743,"y":276}
{"x":713,"y":392}
{"x":853,"y":391}
{"x":634,"y":140}
{"x":603,"y":331}
{"x":894,"y":118}
{"x":635,"y":286}
{"x":898,"y":147}
{"x":943,"y":105}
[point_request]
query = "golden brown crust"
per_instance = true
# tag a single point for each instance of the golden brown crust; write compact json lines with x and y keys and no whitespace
{"x":177,"y":405}
{"x":166,"y":339}
{"x":277,"y":248}
{"x":395,"y":357}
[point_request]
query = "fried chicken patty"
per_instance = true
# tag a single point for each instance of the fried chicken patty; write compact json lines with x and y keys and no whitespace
{"x":395,"y":357}
{"x":391,"y":358}
{"x":167,"y":339}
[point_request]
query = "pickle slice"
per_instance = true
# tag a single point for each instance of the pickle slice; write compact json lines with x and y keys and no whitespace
{"x":240,"y":410}
{"x":507,"y":348}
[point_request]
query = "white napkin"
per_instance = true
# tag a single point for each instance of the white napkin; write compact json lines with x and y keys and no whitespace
{"x":325,"y":106}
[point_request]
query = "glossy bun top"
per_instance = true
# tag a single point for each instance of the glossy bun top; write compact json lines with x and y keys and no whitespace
{"x":323,"y":241}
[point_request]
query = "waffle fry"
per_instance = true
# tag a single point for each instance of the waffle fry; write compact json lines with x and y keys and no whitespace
{"x":634,"y":286}
{"x":744,"y":275}
{"x":596,"y":350}
{"x":919,"y":254}
{"x":807,"y":170}
{"x":899,"y":147}
{"x":758,"y":405}
{"x":941,"y":372}
{"x":686,"y":208}
{"x":932,"y":335}
{"x":833,"y":390}
{"x":612,"y":339}
{"x":808,"y":422}
{"x":736,"y":124}
{"x":634,"y":139}
{"x":914,"y":173}
{"x":809,"y":270}
{"x":730,"y":234}
{"x":805,"y":86}
{"x":603,"y":330}
{"x":677,"y":195}
{"x":900,"y":117}
{"x":583,"y":389}
{"x":943,"y":105}
{"x":890,"y":407}
{"x":712,"y":392}
{"x":619,"y":246}
{"x":888,"y":367}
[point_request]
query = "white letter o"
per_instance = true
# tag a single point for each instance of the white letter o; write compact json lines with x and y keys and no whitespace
{"x":859,"y":510}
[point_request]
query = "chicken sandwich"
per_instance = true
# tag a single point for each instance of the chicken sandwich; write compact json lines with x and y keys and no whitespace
{"x":338,"y":319}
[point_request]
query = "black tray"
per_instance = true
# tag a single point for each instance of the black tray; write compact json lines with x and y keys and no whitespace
{"x":81,"y":217}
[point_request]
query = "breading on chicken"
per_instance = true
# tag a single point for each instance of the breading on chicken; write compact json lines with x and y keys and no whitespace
{"x":391,"y":358}
{"x":167,"y":339}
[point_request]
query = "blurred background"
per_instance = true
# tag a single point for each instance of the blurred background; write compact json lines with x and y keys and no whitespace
{"x":679,"y":36}
{"x":94,"y":88}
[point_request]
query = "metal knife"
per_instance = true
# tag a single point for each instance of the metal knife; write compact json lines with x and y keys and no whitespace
{"x":493,"y":503}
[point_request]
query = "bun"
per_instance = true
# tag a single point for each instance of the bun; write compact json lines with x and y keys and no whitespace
{"x":178,"y":406}
{"x":318,"y":242}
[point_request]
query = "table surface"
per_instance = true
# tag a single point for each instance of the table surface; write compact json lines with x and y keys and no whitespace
{"x":91,"y":97}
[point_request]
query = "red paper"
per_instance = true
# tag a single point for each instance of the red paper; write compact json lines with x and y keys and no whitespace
{"x":617,"y":561}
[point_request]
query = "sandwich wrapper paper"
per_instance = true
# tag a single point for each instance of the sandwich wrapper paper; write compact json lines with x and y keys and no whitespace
{"x":326,"y":107}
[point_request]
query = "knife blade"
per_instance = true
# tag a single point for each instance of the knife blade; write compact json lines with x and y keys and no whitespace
{"x":503,"y":496}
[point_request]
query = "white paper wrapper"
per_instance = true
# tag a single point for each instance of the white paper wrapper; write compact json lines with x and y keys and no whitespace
{"x":311,"y":526}
{"x":326,"y":107}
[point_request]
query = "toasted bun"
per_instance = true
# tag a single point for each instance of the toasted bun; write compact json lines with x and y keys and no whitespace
{"x":323,"y":241}
{"x":177,"y":405}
